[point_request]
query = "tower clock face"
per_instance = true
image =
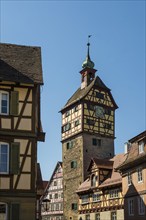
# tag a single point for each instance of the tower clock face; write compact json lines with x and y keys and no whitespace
{"x":99,"y":111}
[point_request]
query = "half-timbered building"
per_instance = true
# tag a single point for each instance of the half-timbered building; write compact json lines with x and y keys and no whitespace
{"x":88,"y":130}
{"x":100,"y":195}
{"x":54,"y":194}
{"x":20,"y":130}
{"x":133,"y":172}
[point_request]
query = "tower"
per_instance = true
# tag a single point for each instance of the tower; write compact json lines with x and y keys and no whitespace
{"x":88,"y":122}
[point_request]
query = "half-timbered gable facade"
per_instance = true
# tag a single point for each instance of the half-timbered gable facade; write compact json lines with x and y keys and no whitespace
{"x":20,"y":129}
{"x":100,"y":195}
{"x":88,"y":130}
{"x":133,"y":172}
{"x":54,"y":194}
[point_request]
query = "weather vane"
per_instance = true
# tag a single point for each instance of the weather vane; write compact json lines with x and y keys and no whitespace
{"x":88,"y":39}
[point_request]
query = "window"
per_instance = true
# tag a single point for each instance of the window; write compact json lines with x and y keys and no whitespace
{"x":96,"y":142}
{"x":76,"y":108}
{"x":67,"y":113}
{"x":4,"y":103}
{"x":74,"y":164}
{"x":96,"y":197}
{"x":90,"y":107}
{"x":107,"y":126}
{"x":99,"y":95}
{"x":113,"y":216}
{"x":90,"y":121}
{"x":139,"y":174}
{"x":4,"y":157}
{"x":113,"y":193}
{"x":93,"y":180}
{"x":87,"y":217}
{"x":131,"y":207}
{"x":74,"y":206}
{"x":69,"y":145}
{"x":107,"y":111}
{"x":55,"y":183}
{"x":129,"y":177}
{"x":3,"y":211}
{"x":141,"y":147}
{"x":97,"y":216}
{"x":77,"y":122}
{"x":66,"y":127}
{"x":57,"y":206}
{"x":85,"y":199}
{"x":56,"y":195}
{"x":141,"y":205}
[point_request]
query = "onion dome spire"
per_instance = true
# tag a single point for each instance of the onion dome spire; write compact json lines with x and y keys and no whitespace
{"x":88,"y":62}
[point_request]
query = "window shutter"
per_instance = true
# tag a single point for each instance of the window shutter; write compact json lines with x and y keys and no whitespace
{"x":14,"y":103}
{"x":14,"y":212}
{"x":14,"y":158}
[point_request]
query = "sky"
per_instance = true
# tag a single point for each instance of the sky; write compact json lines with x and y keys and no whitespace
{"x":118,"y":49}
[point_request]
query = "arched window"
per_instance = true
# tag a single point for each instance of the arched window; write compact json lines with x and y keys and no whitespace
{"x":3,"y":211}
{"x":93,"y":180}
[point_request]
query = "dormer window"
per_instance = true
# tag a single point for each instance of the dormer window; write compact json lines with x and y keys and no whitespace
{"x":141,"y":147}
{"x":93,"y":180}
{"x":4,"y":103}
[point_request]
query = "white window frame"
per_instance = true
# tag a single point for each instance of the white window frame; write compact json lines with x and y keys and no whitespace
{"x":96,"y":197}
{"x":85,"y":199}
{"x":4,"y":93}
{"x":113,"y":215}
{"x":141,"y":147}
{"x":4,"y":143}
{"x":129,"y":178}
{"x":141,"y":205}
{"x":114,"y":193}
{"x":97,"y":216}
{"x":139,"y":175}
{"x":131,"y":207}
{"x":2,"y":203}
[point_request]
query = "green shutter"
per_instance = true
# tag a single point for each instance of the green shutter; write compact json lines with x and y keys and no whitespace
{"x":14,"y":103}
{"x":14,"y":212}
{"x":14,"y":158}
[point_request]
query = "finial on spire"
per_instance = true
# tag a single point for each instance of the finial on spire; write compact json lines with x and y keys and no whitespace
{"x":88,"y":62}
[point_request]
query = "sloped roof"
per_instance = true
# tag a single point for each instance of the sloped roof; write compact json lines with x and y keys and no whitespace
{"x":133,"y":156}
{"x":81,"y":93}
{"x":101,"y":163}
{"x":114,"y":178}
{"x":20,"y":63}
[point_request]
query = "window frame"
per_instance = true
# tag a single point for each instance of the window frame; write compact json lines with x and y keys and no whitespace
{"x":97,"y":216}
{"x":8,"y":98}
{"x":113,"y":215}
{"x":139,"y":175}
{"x":114,"y":193}
{"x":73,"y":164}
{"x":141,"y":147}
{"x":130,"y":206}
{"x":6,"y":208}
{"x":8,"y":157}
{"x":129,"y":178}
{"x":141,"y":205}
{"x":96,"y":197}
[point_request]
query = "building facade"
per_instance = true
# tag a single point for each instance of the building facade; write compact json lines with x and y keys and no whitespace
{"x":20,"y":130}
{"x":88,"y":130}
{"x":54,"y":194}
{"x":100,"y":195}
{"x":133,"y":172}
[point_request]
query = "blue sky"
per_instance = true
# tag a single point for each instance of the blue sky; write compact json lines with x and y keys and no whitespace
{"x":117,"y":48}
